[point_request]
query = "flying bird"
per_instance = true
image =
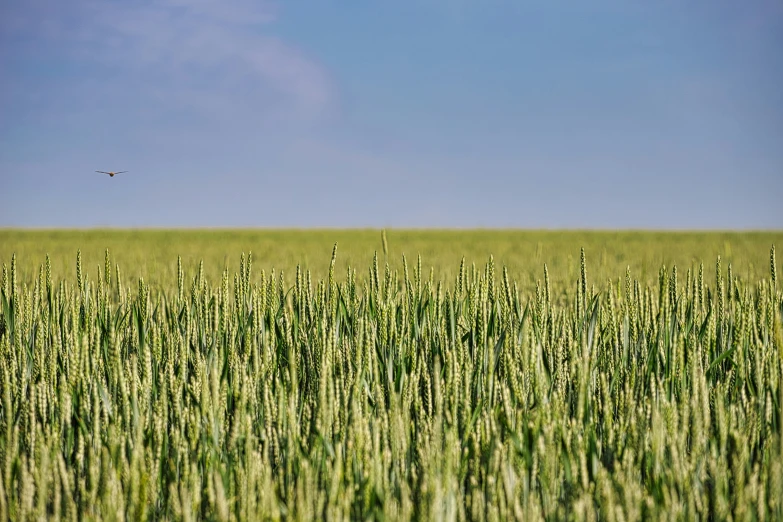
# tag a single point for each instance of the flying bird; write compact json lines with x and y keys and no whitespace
{"x":111,"y":174}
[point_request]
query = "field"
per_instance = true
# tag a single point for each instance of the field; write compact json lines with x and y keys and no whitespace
{"x":444,"y":375}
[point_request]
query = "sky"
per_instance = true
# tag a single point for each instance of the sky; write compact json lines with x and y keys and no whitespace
{"x":412,"y":113}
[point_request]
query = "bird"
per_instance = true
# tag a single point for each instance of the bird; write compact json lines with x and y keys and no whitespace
{"x":111,"y":174}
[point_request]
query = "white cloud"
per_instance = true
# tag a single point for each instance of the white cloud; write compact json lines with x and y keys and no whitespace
{"x":196,"y":54}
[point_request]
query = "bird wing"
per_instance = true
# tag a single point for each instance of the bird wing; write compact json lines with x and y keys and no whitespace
{"x":103,"y":172}
{"x":121,"y":172}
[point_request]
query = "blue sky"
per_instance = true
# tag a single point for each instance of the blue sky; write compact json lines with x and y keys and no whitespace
{"x":413,"y":113}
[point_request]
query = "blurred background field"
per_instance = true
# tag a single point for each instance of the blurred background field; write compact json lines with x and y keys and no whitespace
{"x":152,"y":254}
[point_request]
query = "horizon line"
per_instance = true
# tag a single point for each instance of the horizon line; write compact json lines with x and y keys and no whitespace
{"x":379,"y":229}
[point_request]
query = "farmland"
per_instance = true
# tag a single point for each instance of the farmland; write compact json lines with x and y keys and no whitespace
{"x":445,"y":375}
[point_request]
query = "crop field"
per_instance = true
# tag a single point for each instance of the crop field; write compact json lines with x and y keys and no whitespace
{"x":369,"y":375}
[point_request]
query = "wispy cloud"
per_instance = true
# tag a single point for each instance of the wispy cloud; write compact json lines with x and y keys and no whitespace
{"x":214,"y":57}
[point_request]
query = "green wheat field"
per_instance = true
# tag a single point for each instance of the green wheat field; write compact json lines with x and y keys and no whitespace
{"x":390,"y":375}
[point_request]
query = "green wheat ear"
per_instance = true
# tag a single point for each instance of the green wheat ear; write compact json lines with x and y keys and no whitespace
{"x":547,"y":290}
{"x":461,"y":286}
{"x":180,"y":279}
{"x":48,"y":276}
{"x":107,"y":268}
{"x":331,"y":266}
{"x":583,"y":276}
{"x":118,"y":280}
{"x":729,"y":282}
{"x":14,"y":288}
{"x":385,"y":244}
{"x":79,"y":280}
{"x":772,"y":265}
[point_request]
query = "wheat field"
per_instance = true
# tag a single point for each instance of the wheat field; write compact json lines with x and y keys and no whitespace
{"x":368,"y":375}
